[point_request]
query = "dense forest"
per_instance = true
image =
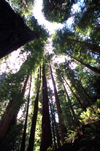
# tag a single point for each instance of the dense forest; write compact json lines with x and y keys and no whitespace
{"x":50,"y":99}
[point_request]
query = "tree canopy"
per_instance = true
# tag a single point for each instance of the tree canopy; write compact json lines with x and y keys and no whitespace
{"x":50,"y":96}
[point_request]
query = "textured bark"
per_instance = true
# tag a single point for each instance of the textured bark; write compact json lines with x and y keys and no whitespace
{"x":13,"y":30}
{"x":86,"y":65}
{"x":10,"y":112}
{"x":25,"y":126}
{"x":62,"y":128}
{"x":46,"y":140}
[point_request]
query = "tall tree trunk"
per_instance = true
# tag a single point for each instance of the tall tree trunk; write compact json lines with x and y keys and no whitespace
{"x":86,"y":65}
{"x":56,"y":128}
{"x":92,"y":47}
{"x":53,"y":127}
{"x":69,"y":101}
{"x":81,"y":95}
{"x":46,"y":140}
{"x":25,"y":126}
{"x":10,"y":112}
{"x":62,"y":128}
{"x":80,"y":85}
{"x":77,"y":84}
{"x":83,"y":107}
{"x":34,"y":118}
{"x":13,"y":30}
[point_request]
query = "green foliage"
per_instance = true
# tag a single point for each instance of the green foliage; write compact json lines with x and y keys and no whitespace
{"x":57,"y":11}
{"x":71,"y":134}
{"x":73,"y":83}
{"x":92,"y":114}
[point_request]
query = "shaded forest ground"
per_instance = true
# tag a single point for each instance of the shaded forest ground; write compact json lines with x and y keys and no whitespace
{"x":89,"y":140}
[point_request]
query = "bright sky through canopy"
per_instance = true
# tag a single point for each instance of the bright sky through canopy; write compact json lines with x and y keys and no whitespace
{"x":37,"y":12}
{"x":51,"y":27}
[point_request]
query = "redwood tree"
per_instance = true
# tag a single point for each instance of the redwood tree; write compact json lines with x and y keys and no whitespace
{"x":11,"y":110}
{"x":46,"y":139}
{"x":25,"y":126}
{"x":34,"y":118}
{"x":13,"y":30}
{"x":62,"y":128}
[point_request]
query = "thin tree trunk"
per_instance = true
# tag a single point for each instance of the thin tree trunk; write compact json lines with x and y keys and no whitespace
{"x":80,"y":85}
{"x":86,"y":65}
{"x":25,"y":126}
{"x":56,"y":128}
{"x":62,"y":128}
{"x":81,"y":95}
{"x":53,"y":127}
{"x":81,"y":91}
{"x":34,"y":118}
{"x":69,"y":101}
{"x":90,"y":46}
{"x":32,"y":133}
{"x":46,"y":140}
{"x":83,"y":107}
{"x":10,"y":112}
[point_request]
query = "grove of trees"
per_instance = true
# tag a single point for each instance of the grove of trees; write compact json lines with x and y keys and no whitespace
{"x":52,"y":102}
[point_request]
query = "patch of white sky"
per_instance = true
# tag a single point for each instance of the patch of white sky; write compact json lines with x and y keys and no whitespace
{"x":13,"y":62}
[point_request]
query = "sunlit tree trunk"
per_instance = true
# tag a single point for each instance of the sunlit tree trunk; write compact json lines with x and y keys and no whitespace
{"x":46,"y":140}
{"x":25,"y":126}
{"x":11,"y":111}
{"x":62,"y":128}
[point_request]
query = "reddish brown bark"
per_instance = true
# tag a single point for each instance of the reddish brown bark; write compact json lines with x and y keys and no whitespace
{"x":10,"y":112}
{"x":46,"y":140}
{"x":62,"y":128}
{"x":25,"y":126}
{"x":34,"y":118}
